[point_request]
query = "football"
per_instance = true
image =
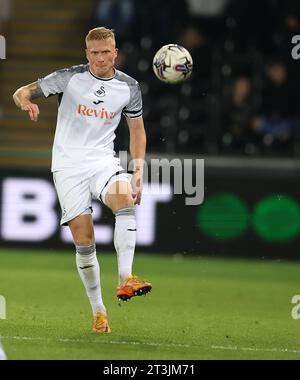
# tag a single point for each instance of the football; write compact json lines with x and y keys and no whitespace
{"x":172,"y":64}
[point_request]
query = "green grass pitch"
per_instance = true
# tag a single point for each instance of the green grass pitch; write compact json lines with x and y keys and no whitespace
{"x":199,"y":308}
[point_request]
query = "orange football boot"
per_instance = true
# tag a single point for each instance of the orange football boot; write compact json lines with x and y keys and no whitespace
{"x":100,"y":324}
{"x":133,"y":287}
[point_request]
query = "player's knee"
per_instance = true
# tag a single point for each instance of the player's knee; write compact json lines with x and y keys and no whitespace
{"x":118,"y":202}
{"x":124,"y":201}
{"x":84,"y":240}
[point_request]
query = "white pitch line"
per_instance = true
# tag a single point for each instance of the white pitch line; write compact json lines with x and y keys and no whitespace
{"x":235,"y":348}
{"x":93,"y":341}
{"x":171,"y":345}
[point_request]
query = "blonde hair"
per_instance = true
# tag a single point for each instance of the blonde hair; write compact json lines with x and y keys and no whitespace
{"x":100,"y":33}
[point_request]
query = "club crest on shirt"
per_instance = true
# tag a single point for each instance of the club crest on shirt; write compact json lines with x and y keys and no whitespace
{"x":100,"y":93}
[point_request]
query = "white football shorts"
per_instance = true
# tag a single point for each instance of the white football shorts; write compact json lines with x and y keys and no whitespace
{"x":77,"y":187}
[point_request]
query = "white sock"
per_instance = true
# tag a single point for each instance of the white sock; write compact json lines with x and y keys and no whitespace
{"x":124,"y":240}
{"x":89,"y":272}
{"x":2,"y":353}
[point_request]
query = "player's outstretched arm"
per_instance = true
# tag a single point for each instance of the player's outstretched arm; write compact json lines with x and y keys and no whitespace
{"x":137,"y":150}
{"x":23,"y":96}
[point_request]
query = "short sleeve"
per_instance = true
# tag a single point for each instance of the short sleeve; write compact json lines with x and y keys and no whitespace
{"x":135,"y":106}
{"x":56,"y":82}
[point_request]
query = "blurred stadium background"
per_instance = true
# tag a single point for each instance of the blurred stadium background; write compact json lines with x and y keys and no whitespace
{"x":239,"y":112}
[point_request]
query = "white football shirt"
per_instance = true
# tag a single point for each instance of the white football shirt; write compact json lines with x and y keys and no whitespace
{"x":90,"y":109}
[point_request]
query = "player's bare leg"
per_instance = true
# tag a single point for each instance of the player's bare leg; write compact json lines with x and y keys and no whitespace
{"x":88,"y":268}
{"x":119,"y":199}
